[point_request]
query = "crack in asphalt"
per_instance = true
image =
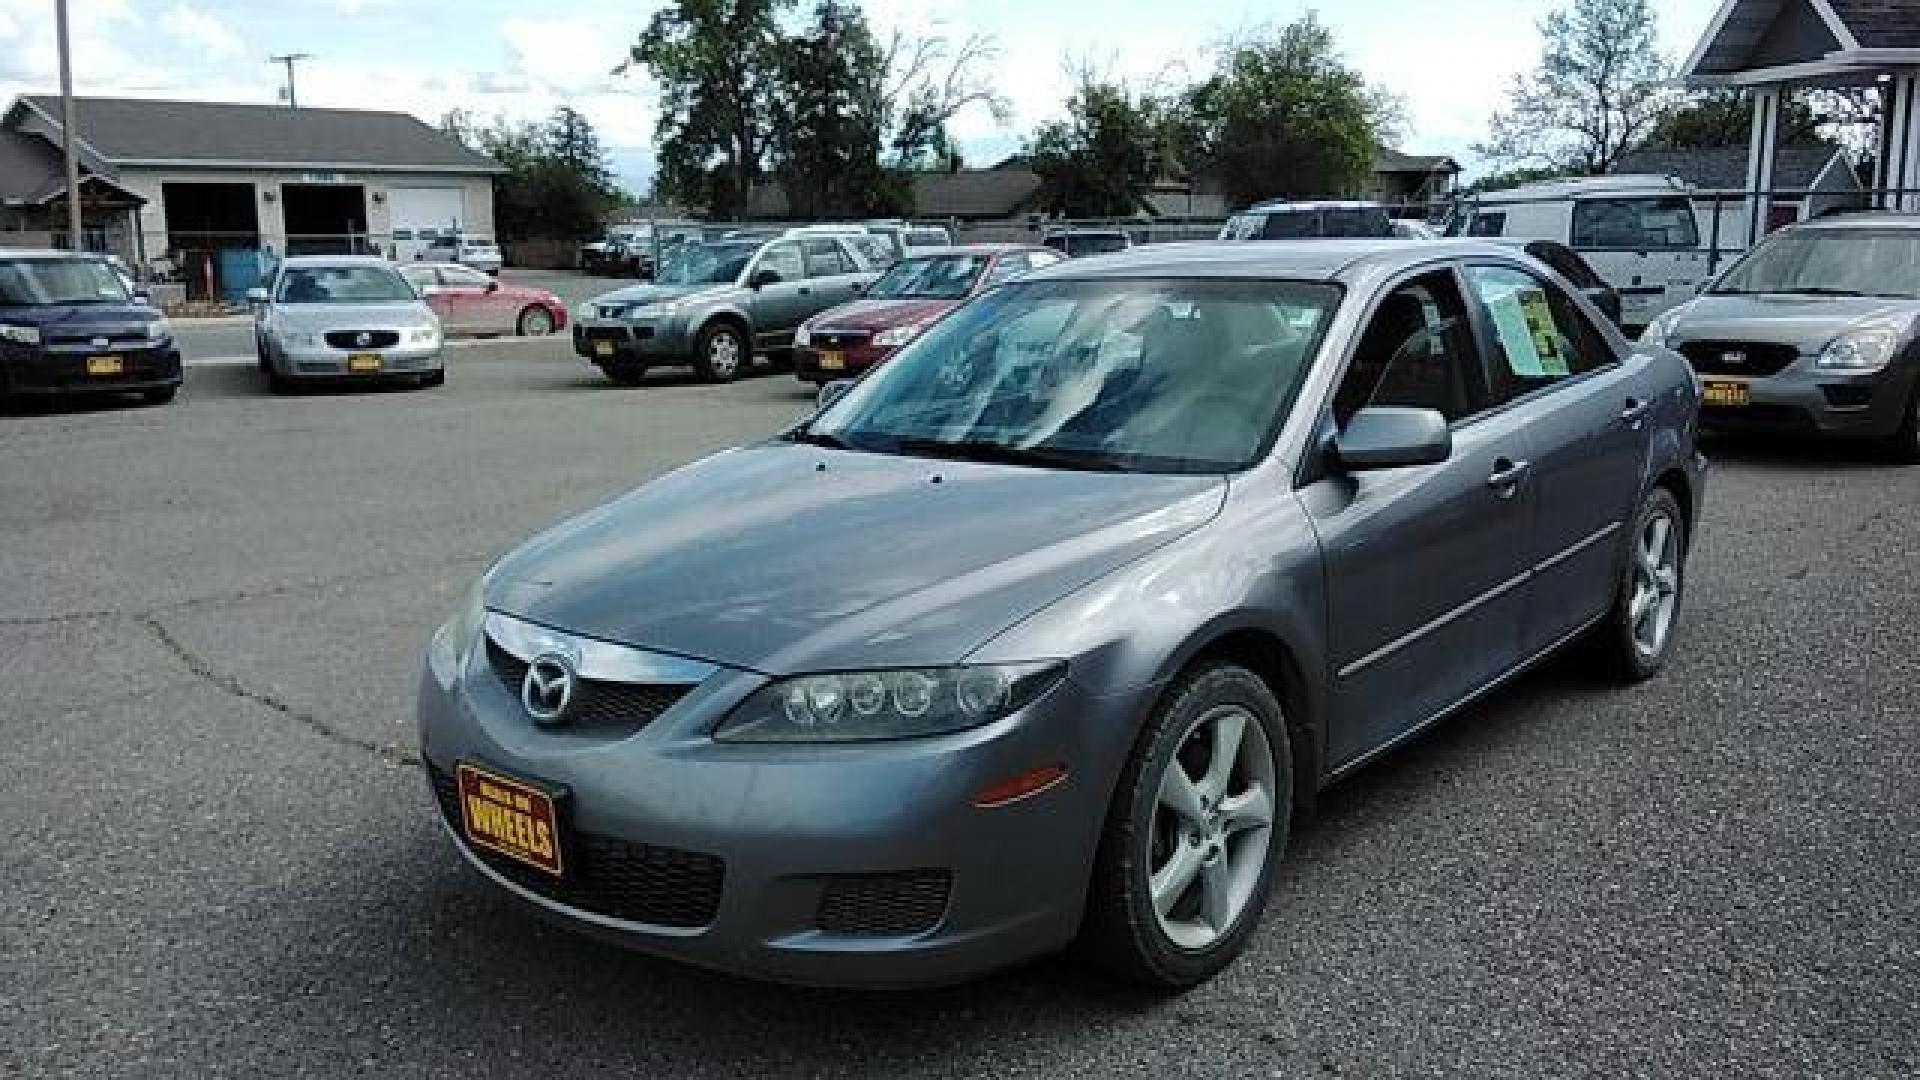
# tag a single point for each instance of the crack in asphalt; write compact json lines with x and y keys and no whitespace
{"x":233,"y":687}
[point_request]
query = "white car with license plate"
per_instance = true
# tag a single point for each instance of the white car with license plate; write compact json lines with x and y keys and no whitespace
{"x":331,"y":318}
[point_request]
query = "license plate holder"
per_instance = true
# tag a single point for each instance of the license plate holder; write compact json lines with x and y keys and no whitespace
{"x":515,"y":818}
{"x":106,"y":365}
{"x":363,"y":363}
{"x":1725,"y":395}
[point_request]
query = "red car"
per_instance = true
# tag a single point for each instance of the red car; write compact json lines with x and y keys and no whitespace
{"x":917,"y":292}
{"x":470,"y":302}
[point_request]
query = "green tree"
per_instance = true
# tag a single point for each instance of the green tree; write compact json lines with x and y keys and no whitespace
{"x":1725,"y":118}
{"x":715,"y":63}
{"x":1102,"y":159}
{"x":830,"y":119}
{"x":558,"y":185}
{"x":1283,"y":115}
{"x":1601,"y":86}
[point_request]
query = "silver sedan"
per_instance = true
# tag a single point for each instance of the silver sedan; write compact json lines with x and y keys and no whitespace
{"x":336,"y":317}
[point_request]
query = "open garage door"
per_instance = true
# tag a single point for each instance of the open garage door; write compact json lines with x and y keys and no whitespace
{"x":422,"y":213}
{"x":213,"y":238}
{"x":326,"y":219}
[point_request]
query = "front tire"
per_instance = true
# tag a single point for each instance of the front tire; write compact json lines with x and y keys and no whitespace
{"x":1636,"y":637}
{"x":1903,"y":446}
{"x":721,"y":353}
{"x":1197,"y":824}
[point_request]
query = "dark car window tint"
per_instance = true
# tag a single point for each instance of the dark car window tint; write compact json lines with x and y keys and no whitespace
{"x":1417,"y":353}
{"x":1640,"y":224}
{"x":824,"y":258}
{"x":1540,"y":337}
{"x":1488,"y":223}
{"x":1567,"y":263}
{"x":33,"y":282}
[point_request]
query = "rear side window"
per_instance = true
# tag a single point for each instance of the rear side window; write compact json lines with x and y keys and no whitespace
{"x":1568,"y":264}
{"x":1661,"y":223}
{"x":1540,"y":337}
{"x":1487,"y":223}
{"x":825,"y":259}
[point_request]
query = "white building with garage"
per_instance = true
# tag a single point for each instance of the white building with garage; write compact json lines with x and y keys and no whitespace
{"x":211,"y":187}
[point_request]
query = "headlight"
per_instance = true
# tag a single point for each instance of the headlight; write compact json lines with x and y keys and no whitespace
{"x":20,"y":335}
{"x":301,"y":339}
{"x":454,"y":640}
{"x":803,"y":337}
{"x":859,"y":706}
{"x":898,"y":336}
{"x":1861,"y":350}
{"x":1658,"y":330}
{"x":609,"y":311}
{"x":159,"y":330}
{"x":424,"y":335}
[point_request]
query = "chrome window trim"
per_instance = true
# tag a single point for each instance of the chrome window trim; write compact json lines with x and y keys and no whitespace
{"x":600,"y":661}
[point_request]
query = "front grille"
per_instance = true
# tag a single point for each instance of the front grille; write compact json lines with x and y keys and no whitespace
{"x":846,"y":339}
{"x":643,"y":883}
{"x":1749,"y":359}
{"x":350,"y":339}
{"x":884,"y":905}
{"x":596,"y":704}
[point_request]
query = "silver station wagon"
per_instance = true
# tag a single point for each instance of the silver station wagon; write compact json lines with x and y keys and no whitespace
{"x":1140,"y":553}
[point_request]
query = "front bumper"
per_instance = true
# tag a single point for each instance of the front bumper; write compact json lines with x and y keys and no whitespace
{"x":854,"y":362}
{"x":61,"y":370}
{"x":1820,"y":401}
{"x":800,"y":834}
{"x":324,"y":363}
{"x":640,"y":341}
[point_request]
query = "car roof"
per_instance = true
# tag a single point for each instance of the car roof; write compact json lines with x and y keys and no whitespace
{"x":1580,"y":186}
{"x":296,"y":261}
{"x":1876,"y":219}
{"x":1298,"y":260}
{"x":1312,"y":204}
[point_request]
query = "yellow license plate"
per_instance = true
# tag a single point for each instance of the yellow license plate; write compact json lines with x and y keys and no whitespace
{"x":105,"y":365}
{"x":510,"y":818}
{"x":363,"y":362}
{"x":833,"y":361}
{"x":1726,"y":394}
{"x":603,"y":348}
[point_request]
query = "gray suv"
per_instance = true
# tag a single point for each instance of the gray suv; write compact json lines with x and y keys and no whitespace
{"x":713,"y":305}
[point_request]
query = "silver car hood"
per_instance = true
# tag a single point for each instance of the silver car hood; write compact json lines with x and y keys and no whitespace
{"x":1808,"y":322}
{"x":648,"y":293}
{"x":320,"y":318}
{"x":784,"y":558}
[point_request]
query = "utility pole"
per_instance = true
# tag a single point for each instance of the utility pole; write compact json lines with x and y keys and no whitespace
{"x":74,"y":238}
{"x":289,"y":59}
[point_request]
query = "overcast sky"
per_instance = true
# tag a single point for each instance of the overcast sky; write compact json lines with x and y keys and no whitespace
{"x":1451,"y":60}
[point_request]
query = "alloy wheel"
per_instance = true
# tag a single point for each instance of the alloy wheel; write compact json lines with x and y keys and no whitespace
{"x":1212,"y":827}
{"x":1656,"y":583}
{"x":536,"y":323}
{"x":723,"y":355}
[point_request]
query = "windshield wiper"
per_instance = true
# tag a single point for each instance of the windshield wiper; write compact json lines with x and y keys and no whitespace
{"x":818,"y":438}
{"x":1003,"y":454}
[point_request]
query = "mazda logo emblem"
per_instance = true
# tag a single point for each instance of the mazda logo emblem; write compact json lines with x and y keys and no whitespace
{"x":547,"y":690}
{"x":365,"y":339}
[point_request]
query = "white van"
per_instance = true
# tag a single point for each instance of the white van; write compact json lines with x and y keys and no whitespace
{"x":1639,"y":233}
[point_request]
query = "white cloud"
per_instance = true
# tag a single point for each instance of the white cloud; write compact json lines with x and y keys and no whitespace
{"x":196,"y":28}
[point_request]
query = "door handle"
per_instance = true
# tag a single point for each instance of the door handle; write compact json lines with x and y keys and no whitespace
{"x":1507,"y":475}
{"x":1635,"y":412}
{"x":806,"y":290}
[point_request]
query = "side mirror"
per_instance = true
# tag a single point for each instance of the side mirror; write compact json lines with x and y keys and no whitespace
{"x":830,"y":393}
{"x":1393,"y":438}
{"x":257,"y":296}
{"x":763,"y":278}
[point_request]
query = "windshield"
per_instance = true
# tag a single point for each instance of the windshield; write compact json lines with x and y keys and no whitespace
{"x":1864,"y":262}
{"x":705,"y":264}
{"x":949,"y":277}
{"x":343,"y":285}
{"x":37,"y":282}
{"x":1143,"y":375}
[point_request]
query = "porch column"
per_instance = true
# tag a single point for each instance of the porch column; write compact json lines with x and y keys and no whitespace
{"x":1898,"y":171}
{"x":1760,"y":156}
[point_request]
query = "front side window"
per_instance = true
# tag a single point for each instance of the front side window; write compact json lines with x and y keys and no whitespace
{"x":783,"y":260}
{"x":1355,"y":221}
{"x":41,"y":282}
{"x":1638,"y":224}
{"x":1417,"y":353}
{"x":1864,"y":262}
{"x":824,"y":258}
{"x":1540,"y":337}
{"x":1149,"y":375}
{"x":705,"y":264}
{"x":343,"y":285}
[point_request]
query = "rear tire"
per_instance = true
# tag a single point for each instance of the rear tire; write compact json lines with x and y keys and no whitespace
{"x":721,"y":353}
{"x":1903,"y":446}
{"x":534,"y":321}
{"x":1186,"y":858}
{"x":279,"y":383}
{"x":1635,"y":639}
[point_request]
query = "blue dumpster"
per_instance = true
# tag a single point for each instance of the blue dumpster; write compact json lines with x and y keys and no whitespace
{"x":240,"y":270}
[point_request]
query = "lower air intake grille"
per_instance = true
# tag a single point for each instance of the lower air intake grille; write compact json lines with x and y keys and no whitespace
{"x":884,"y":905}
{"x":642,"y":883}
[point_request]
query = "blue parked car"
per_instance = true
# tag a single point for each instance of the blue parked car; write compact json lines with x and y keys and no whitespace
{"x":69,"y":325}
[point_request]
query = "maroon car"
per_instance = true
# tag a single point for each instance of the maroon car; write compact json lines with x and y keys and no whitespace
{"x":916,"y":293}
{"x":470,"y":302}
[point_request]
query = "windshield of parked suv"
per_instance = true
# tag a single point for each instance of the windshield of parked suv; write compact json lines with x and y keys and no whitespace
{"x":1138,"y":375}
{"x":1844,"y":262}
{"x":343,"y":285}
{"x":704,"y":264}
{"x":948,"y":277}
{"x":37,"y":282}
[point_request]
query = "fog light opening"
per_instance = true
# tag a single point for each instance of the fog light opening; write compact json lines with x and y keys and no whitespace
{"x":1023,"y":786}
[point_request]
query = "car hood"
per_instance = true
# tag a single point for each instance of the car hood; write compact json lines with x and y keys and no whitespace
{"x":654,"y":294}
{"x":77,"y":319}
{"x":1808,"y":322}
{"x":319,"y":318}
{"x":882,"y":314}
{"x":782,"y":557}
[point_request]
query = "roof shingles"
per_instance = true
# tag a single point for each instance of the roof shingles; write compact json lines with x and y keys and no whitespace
{"x":1881,"y":24}
{"x":1724,"y":168}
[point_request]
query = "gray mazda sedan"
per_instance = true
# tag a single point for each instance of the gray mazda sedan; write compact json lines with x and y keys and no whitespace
{"x":1041,"y":633}
{"x":1817,"y":330}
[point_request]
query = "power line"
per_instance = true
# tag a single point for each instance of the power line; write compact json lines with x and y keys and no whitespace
{"x":289,"y":59}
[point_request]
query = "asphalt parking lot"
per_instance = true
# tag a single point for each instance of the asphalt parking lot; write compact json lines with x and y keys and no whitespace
{"x":222,"y":858}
